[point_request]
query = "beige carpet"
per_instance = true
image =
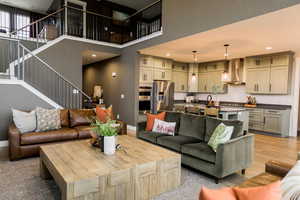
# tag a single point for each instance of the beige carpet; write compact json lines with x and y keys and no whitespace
{"x":20,"y":180}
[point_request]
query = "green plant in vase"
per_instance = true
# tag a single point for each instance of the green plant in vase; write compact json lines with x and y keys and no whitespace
{"x":108,"y":132}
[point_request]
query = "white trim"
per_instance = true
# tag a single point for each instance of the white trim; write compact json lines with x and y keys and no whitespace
{"x":131,"y":128}
{"x":295,"y":108}
{"x":4,"y":143}
{"x":31,"y":89}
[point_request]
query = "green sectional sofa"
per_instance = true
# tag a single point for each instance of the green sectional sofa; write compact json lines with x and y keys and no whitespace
{"x":191,"y":137}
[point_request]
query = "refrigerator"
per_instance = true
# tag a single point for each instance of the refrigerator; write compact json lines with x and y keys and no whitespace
{"x":162,"y":96}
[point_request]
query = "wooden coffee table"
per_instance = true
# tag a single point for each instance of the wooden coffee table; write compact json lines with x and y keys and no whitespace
{"x":83,"y":172}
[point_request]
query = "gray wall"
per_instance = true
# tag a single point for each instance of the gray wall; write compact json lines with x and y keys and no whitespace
{"x":66,"y":57}
{"x":16,"y":96}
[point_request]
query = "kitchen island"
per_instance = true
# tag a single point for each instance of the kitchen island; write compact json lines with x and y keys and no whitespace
{"x":225,"y":112}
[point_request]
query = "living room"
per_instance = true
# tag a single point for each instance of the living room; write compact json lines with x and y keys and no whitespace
{"x":79,"y":135}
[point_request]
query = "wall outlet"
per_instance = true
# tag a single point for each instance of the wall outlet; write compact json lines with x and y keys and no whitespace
{"x":122,"y":96}
{"x":118,"y":116}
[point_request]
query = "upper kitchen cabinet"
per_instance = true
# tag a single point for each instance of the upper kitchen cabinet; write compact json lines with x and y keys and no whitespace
{"x":180,"y":80}
{"x":203,"y":82}
{"x":269,"y":74}
{"x":146,"y":75}
{"x":180,"y":67}
{"x":161,"y":74}
{"x":212,"y":66}
{"x":162,"y":63}
{"x":146,"y":61}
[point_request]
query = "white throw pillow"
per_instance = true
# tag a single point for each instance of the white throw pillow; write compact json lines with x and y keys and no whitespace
{"x":290,"y":186}
{"x":164,"y":127}
{"x":24,"y":121}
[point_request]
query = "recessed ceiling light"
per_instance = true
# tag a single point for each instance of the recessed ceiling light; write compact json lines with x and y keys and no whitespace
{"x":269,"y":48}
{"x":93,"y":55}
{"x":168,"y":54}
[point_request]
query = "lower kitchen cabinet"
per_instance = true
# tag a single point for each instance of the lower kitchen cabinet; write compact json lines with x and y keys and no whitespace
{"x":270,"y":121}
{"x":180,"y":80}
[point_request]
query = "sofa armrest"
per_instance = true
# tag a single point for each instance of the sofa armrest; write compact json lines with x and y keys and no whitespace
{"x":278,"y":168}
{"x":234,"y":155}
{"x":14,"y":142}
{"x":141,"y":126}
{"x":123,"y":130}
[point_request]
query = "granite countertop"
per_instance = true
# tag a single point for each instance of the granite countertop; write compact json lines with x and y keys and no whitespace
{"x":238,"y":105}
{"x":203,"y":106}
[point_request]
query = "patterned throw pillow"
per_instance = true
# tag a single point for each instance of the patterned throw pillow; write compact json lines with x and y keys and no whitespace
{"x":47,"y":119}
{"x":164,"y":127}
{"x":221,"y":134}
{"x":290,"y":186}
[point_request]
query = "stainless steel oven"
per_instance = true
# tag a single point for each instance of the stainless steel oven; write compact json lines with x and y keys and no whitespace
{"x":145,"y":98}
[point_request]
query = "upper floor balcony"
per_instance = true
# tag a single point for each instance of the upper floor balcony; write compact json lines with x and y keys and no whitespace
{"x":73,"y":19}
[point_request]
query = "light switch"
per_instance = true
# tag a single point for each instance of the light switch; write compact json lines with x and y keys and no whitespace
{"x":122,"y":96}
{"x":118,"y":116}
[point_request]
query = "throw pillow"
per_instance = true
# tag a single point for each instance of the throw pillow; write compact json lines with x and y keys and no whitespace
{"x":104,"y":114}
{"x":220,"y":135}
{"x":152,"y":117}
{"x":24,"y":121}
{"x":47,"y":119}
{"x":266,"y":192}
{"x":164,"y":127}
{"x":224,"y":194}
{"x":290,"y":186}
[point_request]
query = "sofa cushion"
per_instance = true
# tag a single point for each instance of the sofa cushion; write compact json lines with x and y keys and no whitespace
{"x":174,"y":117}
{"x":82,"y":117}
{"x":49,"y":136}
{"x":175,"y":142}
{"x":64,"y":118}
{"x":151,"y":136}
{"x":84,"y":132}
{"x":192,"y":126}
{"x":200,"y":150}
{"x":212,"y":123}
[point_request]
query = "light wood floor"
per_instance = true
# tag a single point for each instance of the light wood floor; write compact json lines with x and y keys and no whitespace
{"x":270,"y":148}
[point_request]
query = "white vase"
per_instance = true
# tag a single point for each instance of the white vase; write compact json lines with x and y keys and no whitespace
{"x":109,"y":145}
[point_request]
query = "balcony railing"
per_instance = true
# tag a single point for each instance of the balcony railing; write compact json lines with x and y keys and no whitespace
{"x":85,"y":24}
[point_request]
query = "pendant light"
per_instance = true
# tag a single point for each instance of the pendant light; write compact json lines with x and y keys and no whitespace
{"x":225,"y":74}
{"x":195,"y":62}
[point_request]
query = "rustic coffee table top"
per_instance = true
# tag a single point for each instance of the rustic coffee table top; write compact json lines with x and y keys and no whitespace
{"x":78,"y":159}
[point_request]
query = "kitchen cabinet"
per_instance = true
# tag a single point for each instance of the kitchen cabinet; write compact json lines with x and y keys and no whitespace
{"x":211,"y":82}
{"x":146,"y":61}
{"x":203,"y":83}
{"x":162,"y":63}
{"x":160,"y":74}
{"x":212,"y":66}
{"x":269,"y":74}
{"x":146,"y":75}
{"x":278,"y":80}
{"x":193,"y":82}
{"x":180,"y":80}
{"x":258,"y":80}
{"x":270,"y":121}
{"x":180,"y":67}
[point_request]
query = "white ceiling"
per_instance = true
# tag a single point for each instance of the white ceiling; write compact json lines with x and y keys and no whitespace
{"x":135,"y":4}
{"x":40,"y":6}
{"x":280,"y":30}
{"x":87,"y":57}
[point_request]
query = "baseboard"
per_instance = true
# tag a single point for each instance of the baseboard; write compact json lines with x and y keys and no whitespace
{"x":4,"y":143}
{"x":131,"y":128}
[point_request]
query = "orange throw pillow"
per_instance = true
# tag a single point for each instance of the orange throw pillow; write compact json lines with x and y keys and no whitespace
{"x":152,"y":117}
{"x":221,"y":194}
{"x":267,"y":192}
{"x":104,"y":114}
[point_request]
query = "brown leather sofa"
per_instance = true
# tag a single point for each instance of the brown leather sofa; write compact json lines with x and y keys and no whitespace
{"x":274,"y":171}
{"x":75,"y":125}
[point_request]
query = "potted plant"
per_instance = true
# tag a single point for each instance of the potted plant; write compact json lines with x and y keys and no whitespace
{"x":108,"y":131}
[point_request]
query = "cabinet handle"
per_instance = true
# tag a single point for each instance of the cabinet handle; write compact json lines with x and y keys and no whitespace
{"x":145,"y":77}
{"x":270,"y":87}
{"x":205,"y":88}
{"x":264,"y":120}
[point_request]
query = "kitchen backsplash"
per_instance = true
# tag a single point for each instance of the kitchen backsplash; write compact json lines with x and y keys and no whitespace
{"x":237,"y":93}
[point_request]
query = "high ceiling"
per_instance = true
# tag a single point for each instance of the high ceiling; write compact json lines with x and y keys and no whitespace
{"x":279,"y":30}
{"x":40,"y":6}
{"x":89,"y":57}
{"x":135,"y":4}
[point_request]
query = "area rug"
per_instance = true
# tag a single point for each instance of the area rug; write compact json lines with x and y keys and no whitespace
{"x":20,"y":180}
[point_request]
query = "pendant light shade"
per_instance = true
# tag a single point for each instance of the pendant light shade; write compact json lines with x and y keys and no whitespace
{"x":225,"y":74}
{"x":195,"y":62}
